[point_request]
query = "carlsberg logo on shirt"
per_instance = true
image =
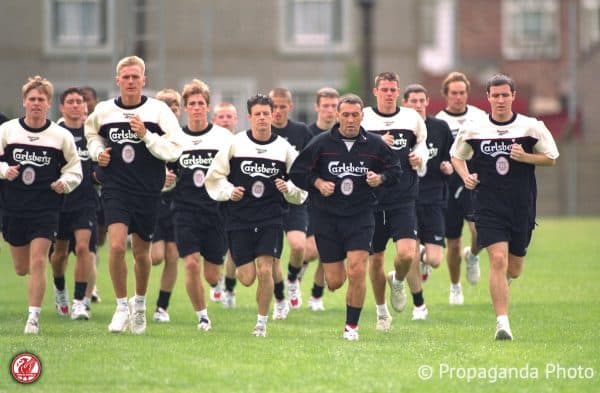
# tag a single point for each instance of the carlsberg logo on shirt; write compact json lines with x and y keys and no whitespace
{"x":23,"y":157}
{"x":193,"y":161}
{"x":254,"y":169}
{"x":118,"y":135}
{"x":342,"y":169}
{"x":495,"y":148}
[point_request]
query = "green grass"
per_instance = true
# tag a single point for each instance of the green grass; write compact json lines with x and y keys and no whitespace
{"x":555,"y":315}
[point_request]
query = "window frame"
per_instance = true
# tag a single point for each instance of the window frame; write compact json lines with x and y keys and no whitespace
{"x":515,"y":44}
{"x":288,"y":46}
{"x":54,"y":48}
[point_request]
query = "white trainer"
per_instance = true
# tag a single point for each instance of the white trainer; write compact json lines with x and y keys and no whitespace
{"x":32,"y":326}
{"x":294,"y":294}
{"x":472,"y":261}
{"x":397,"y":295}
{"x":120,"y":320}
{"x":260,"y":331}
{"x":503,"y":331}
{"x":350,"y":334}
{"x":204,"y":325}
{"x":137,"y":311}
{"x":161,"y":315}
{"x":316,"y":304}
{"x":456,"y":297}
{"x":384,"y":323}
{"x":281,"y":309}
{"x":79,"y":311}
{"x":420,"y":313}
{"x":61,"y":300}
{"x":228,"y":300}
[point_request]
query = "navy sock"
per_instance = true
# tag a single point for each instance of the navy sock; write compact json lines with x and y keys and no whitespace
{"x":293,"y":272}
{"x":278,"y":291}
{"x":59,"y":283}
{"x":418,"y":299}
{"x":163,"y":299}
{"x":317,"y":291}
{"x":352,"y":315}
{"x":80,"y":288}
{"x":230,"y":284}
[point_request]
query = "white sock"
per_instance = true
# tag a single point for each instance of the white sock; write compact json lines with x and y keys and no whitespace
{"x":139,"y":299}
{"x":87,"y":301}
{"x":502,"y":320}
{"x":382,"y":309}
{"x":202,"y":314}
{"x":262,"y":319}
{"x":456,"y":286}
{"x":34,"y":312}
{"x":122,"y":302}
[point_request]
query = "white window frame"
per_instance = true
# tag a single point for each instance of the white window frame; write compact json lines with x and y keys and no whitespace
{"x":74,"y":45}
{"x":314,"y":43}
{"x":439,"y":57}
{"x":589,"y":15}
{"x":516,"y":45}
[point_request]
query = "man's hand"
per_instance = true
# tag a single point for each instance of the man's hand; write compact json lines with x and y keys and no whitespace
{"x":137,"y":126}
{"x":59,"y":187}
{"x":446,"y":168}
{"x":374,"y":179}
{"x":471,"y":181}
{"x":237,"y":193}
{"x":104,"y":157}
{"x":12,"y":172}
{"x":281,"y":185}
{"x":326,"y":188}
{"x":414,"y":161}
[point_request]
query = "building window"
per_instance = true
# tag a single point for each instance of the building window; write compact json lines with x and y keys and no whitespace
{"x":530,"y":29}
{"x":314,"y":25}
{"x":436,"y":46}
{"x":590,"y":23}
{"x":73,"y":26}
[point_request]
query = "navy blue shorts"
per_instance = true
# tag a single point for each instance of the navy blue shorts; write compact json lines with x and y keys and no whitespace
{"x":165,"y":226}
{"x":139,"y":214}
{"x":430,"y":220}
{"x":498,"y":221}
{"x":398,"y":223}
{"x":20,"y":231}
{"x":459,"y":209}
{"x":68,"y":222}
{"x":336,"y":235}
{"x":296,"y":219}
{"x":247,"y":244}
{"x":198,"y":231}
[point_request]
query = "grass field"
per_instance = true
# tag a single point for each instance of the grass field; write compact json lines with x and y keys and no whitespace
{"x":555,"y":314}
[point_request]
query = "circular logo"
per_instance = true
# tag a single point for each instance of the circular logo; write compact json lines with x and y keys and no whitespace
{"x":26,"y":368}
{"x":258,"y":189}
{"x":128,"y":154}
{"x":502,"y":166}
{"x":347,"y":186}
{"x":28,"y":176}
{"x":198,"y":177}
